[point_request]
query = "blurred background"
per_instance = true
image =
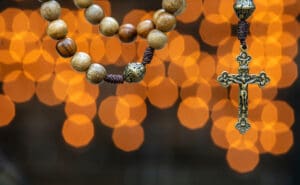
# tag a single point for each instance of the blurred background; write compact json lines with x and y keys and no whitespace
{"x":176,"y":127}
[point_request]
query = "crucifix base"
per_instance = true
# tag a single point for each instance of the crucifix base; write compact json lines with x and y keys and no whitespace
{"x":242,"y":125}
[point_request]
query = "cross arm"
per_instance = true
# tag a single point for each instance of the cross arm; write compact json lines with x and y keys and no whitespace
{"x":225,"y":79}
{"x":261,"y":79}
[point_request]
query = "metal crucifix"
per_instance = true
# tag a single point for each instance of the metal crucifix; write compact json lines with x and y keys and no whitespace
{"x":243,"y":79}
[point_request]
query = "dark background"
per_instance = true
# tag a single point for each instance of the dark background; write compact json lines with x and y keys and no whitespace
{"x":33,"y":151}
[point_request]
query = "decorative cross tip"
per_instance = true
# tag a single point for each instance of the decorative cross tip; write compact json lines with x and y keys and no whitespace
{"x":242,"y":125}
{"x":224,"y":79}
{"x":243,"y":58}
{"x":263,"y":79}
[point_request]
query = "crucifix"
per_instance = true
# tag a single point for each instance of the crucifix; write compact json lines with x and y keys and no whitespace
{"x":243,"y":79}
{"x":243,"y":9}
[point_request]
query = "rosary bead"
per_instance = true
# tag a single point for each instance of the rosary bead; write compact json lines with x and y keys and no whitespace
{"x":157,"y":14}
{"x":181,"y":9}
{"x":108,"y":26}
{"x":127,"y":33}
{"x":134,"y":72}
{"x":66,"y":47}
{"x":81,"y":61}
{"x":50,"y":10}
{"x":96,"y":73}
{"x":57,"y":29}
{"x":244,"y":8}
{"x":157,"y":39}
{"x":145,"y":27}
{"x":94,"y":14}
{"x":83,"y":3}
{"x":173,"y":6}
{"x":165,"y":22}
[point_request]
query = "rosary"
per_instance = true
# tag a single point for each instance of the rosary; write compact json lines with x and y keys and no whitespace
{"x":155,"y":32}
{"x":243,"y":9}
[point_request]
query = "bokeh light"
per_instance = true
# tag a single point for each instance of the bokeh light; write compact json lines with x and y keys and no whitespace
{"x":162,"y":92}
{"x":128,"y":138}
{"x":194,"y":108}
{"x":7,"y":109}
{"x":18,"y":86}
{"x":114,"y":111}
{"x":192,"y":12}
{"x":78,"y":130}
{"x":45,"y":93}
{"x":242,"y":160}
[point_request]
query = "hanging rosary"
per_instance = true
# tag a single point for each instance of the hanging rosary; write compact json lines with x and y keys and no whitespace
{"x":153,"y":30}
{"x":243,"y":9}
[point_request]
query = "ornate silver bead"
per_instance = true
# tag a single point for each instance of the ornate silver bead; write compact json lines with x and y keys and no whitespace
{"x":244,"y":8}
{"x":134,"y":72}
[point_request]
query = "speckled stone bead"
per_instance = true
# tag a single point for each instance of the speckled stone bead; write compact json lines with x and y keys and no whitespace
{"x":94,"y":14}
{"x":165,"y":22}
{"x":134,"y":72}
{"x":109,"y":26}
{"x":144,"y":28}
{"x":172,"y":6}
{"x":66,"y":47}
{"x":157,"y":39}
{"x":81,"y":61}
{"x":57,"y":29}
{"x":83,"y":3}
{"x":50,"y":10}
{"x":96,"y":73}
{"x":127,"y":33}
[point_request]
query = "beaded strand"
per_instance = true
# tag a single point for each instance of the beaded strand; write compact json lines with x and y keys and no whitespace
{"x":164,"y":20}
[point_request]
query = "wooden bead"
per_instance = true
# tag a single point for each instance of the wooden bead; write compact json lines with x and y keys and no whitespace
{"x":57,"y":29}
{"x":108,"y":26}
{"x":83,"y":3}
{"x":127,"y":33}
{"x":50,"y":10}
{"x":181,"y":9}
{"x":96,"y":73}
{"x":66,"y":47}
{"x":157,"y":14}
{"x":157,"y":39}
{"x":94,"y":14}
{"x":144,"y":28}
{"x":81,"y":61}
{"x":172,"y":6}
{"x":165,"y":22}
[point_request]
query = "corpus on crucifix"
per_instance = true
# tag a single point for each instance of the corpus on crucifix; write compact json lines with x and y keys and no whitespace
{"x":243,"y":79}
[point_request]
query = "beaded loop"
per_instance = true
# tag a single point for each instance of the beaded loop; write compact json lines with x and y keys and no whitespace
{"x":154,"y":31}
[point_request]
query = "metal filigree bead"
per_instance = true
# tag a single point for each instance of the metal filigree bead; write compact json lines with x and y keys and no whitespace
{"x":244,"y":8}
{"x":134,"y":72}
